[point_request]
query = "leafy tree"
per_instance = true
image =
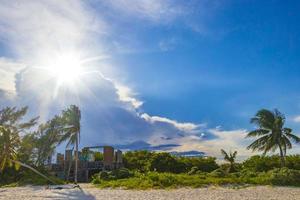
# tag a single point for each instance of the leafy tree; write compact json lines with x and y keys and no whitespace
{"x":204,"y":164}
{"x":48,"y":137}
{"x":230,"y":158}
{"x":164,"y":162}
{"x":272,"y":133}
{"x":137,"y":160}
{"x":71,"y":131}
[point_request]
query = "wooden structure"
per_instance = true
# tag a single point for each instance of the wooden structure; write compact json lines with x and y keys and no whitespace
{"x":87,"y":166}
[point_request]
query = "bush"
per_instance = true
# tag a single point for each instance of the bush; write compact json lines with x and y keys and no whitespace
{"x":193,"y":171}
{"x":206,"y":164}
{"x":218,"y":173}
{"x":261,"y":163}
{"x":164,"y":162}
{"x":145,"y":161}
{"x":162,"y":179}
{"x":284,"y":176}
{"x":137,"y":160}
{"x":293,"y":162}
{"x":122,"y":173}
{"x":104,"y":175}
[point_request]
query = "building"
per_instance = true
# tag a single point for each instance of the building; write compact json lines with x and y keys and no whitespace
{"x":87,"y":166}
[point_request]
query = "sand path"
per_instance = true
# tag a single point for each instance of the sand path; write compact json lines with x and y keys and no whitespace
{"x":89,"y":192}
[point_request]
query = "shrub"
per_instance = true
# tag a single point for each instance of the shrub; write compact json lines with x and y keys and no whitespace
{"x":262,"y":163}
{"x":193,"y":171}
{"x":162,"y":179}
{"x":293,"y":162}
{"x":137,"y":160}
{"x":164,"y":162}
{"x":122,"y":173}
{"x":218,"y":173}
{"x":284,"y":176}
{"x":104,"y":175}
{"x":205,"y":164}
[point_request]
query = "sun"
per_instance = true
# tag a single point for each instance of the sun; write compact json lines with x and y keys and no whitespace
{"x":66,"y":68}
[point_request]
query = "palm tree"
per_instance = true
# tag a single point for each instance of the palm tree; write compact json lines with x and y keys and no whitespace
{"x":71,"y":131}
{"x":10,"y":129}
{"x":9,"y":143}
{"x":229,"y":158}
{"x":272,"y":133}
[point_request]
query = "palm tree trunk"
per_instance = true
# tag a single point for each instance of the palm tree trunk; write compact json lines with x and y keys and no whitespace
{"x":70,"y":165}
{"x":34,"y":170}
{"x":282,"y":161}
{"x":76,"y":159}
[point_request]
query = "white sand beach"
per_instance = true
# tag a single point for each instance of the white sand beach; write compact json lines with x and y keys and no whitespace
{"x":89,"y":192}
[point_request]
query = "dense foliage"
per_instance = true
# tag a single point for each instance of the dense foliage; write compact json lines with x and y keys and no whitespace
{"x":199,"y":172}
{"x":144,"y":161}
{"x":150,"y":180}
{"x":23,"y":143}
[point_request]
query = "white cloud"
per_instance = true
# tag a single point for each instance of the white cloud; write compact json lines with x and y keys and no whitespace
{"x":8,"y":70}
{"x":230,"y":140}
{"x":297,"y":119}
{"x":36,"y":31}
{"x":183,"y":126}
{"x":127,"y":95}
{"x":153,"y":10}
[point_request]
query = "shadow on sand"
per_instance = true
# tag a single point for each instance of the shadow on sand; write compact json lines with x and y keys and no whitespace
{"x":75,"y":194}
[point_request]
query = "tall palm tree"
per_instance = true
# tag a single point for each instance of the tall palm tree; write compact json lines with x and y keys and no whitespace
{"x":71,"y":131}
{"x":272,"y":133}
{"x":10,"y":129}
{"x":229,"y":158}
{"x":9,"y":143}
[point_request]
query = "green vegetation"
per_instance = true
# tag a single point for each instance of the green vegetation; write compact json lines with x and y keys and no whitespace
{"x":272,"y":133}
{"x":256,"y":170}
{"x":230,"y":158}
{"x":71,"y":132}
{"x":144,"y":161}
{"x":23,"y":146}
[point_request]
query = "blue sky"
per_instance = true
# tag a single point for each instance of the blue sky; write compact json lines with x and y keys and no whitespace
{"x":185,"y":74}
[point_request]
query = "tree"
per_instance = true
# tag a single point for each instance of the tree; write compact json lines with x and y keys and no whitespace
{"x":138,"y":160}
{"x":9,"y":143}
{"x":12,"y":117}
{"x":272,"y":133}
{"x":48,"y":136}
{"x":165,"y":162}
{"x":230,"y":158}
{"x":71,"y":131}
{"x":10,"y":129}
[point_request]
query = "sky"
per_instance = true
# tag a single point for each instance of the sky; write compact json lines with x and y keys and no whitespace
{"x":170,"y":75}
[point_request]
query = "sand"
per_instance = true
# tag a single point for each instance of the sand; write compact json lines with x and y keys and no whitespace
{"x":89,"y":192}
